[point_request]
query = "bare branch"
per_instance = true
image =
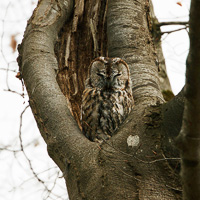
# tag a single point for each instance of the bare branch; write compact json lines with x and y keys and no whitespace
{"x":6,"y":69}
{"x":49,"y":191}
{"x":180,"y":29}
{"x":22,"y":148}
{"x":33,"y":177}
{"x":13,"y":91}
{"x":10,"y":150}
{"x":14,"y":151}
{"x":172,"y":114}
{"x":172,"y":23}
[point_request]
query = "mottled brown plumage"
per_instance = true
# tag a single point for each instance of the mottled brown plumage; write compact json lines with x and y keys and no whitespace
{"x":107,"y":99}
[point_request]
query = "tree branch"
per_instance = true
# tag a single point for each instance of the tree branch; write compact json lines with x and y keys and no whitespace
{"x":172,"y":23}
{"x":172,"y":114}
{"x":180,"y":29}
{"x":189,"y":137}
{"x":38,"y":67}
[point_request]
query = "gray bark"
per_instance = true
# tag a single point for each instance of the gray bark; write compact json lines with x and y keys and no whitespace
{"x":119,"y":168}
{"x":172,"y":113}
{"x":129,"y":38}
{"x":189,"y":138}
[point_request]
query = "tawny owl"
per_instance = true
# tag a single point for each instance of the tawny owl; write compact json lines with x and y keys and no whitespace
{"x":107,"y":98}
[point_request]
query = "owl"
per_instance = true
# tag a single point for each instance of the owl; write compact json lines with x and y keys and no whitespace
{"x":107,"y":99}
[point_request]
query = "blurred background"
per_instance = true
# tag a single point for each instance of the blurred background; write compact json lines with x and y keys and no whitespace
{"x":26,"y":171}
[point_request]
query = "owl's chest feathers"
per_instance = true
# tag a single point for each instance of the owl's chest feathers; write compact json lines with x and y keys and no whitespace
{"x":105,"y":106}
{"x":110,"y":104}
{"x":109,"y":101}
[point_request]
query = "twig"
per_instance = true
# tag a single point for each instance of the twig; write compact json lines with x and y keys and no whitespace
{"x":13,"y":91}
{"x":172,"y":23}
{"x":54,"y":184}
{"x":10,"y":70}
{"x":29,"y":179}
{"x":168,"y":32}
{"x":29,"y":161}
{"x":22,"y":149}
{"x":10,"y":150}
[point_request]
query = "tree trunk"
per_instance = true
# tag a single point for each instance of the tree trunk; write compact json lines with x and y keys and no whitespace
{"x":189,"y":138}
{"x":61,"y":39}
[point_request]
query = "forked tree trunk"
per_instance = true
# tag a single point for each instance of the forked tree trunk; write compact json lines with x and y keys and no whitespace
{"x":61,"y":39}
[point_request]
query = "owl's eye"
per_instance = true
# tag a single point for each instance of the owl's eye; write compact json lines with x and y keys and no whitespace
{"x":118,"y":75}
{"x":100,"y":74}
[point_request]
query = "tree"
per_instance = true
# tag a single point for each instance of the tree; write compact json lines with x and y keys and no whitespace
{"x":140,"y":161}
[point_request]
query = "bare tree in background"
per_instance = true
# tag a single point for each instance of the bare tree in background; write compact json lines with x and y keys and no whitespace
{"x":21,"y":175}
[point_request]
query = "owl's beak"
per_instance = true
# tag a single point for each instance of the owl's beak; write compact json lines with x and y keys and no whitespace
{"x":108,"y":84}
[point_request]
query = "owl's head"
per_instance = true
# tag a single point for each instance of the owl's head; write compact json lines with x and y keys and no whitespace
{"x":109,"y":74}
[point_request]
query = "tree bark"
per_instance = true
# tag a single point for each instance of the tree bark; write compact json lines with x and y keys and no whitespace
{"x":61,"y":39}
{"x":130,"y":39}
{"x":172,"y":113}
{"x":189,"y":138}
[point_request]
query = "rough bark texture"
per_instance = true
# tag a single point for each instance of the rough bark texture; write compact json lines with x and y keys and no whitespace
{"x":172,"y":113}
{"x":59,"y":45}
{"x":129,"y":38}
{"x":189,"y":138}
